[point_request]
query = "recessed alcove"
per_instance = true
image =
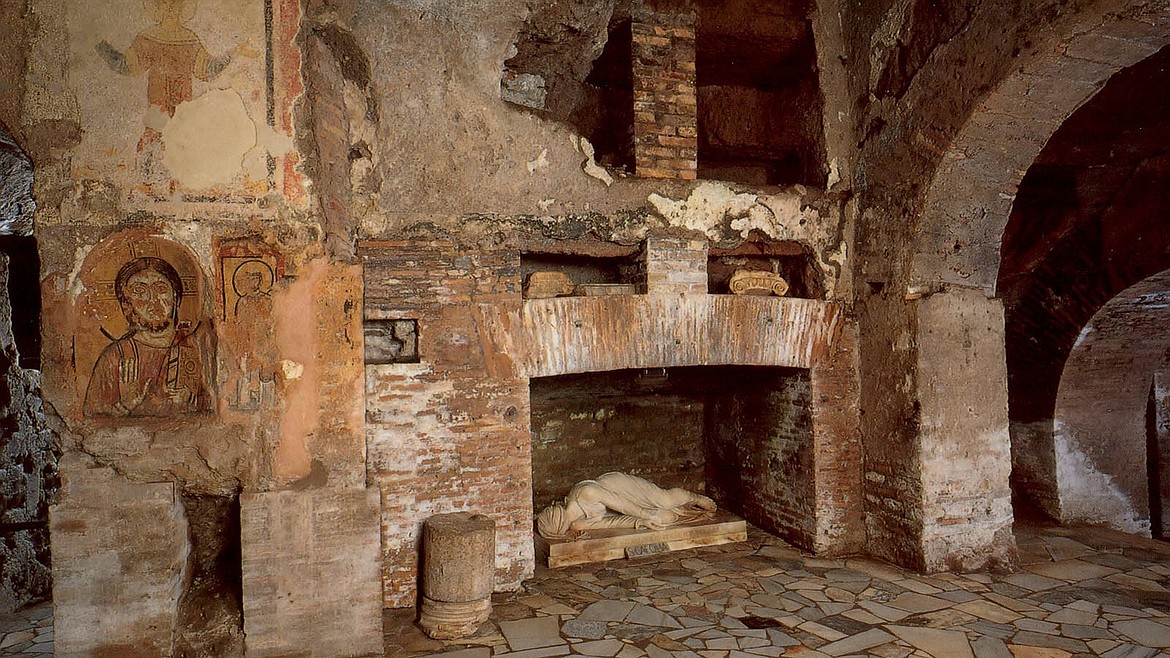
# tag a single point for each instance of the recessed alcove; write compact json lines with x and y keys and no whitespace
{"x":566,"y":71}
{"x":612,"y":268}
{"x":758,"y":92}
{"x":741,"y":434}
{"x":791,"y":260}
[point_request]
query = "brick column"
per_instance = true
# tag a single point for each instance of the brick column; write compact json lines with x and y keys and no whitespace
{"x":665,"y":110}
{"x":840,"y":524}
{"x":674,"y":266}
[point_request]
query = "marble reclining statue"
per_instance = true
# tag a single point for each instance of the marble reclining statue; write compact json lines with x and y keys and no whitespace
{"x":620,"y":500}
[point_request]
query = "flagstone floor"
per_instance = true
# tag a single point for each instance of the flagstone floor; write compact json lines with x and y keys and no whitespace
{"x":1079,"y":592}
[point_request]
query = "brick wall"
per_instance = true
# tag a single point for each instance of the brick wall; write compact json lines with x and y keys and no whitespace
{"x":449,"y":433}
{"x":586,"y":425}
{"x":837,"y":445}
{"x":674,"y":265}
{"x":665,"y":109}
{"x":762,"y":460}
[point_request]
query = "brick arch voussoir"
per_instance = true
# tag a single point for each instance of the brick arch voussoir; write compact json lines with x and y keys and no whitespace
{"x":970,"y":198}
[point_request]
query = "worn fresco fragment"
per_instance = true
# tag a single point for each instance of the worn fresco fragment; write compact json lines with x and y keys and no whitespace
{"x":158,"y":357}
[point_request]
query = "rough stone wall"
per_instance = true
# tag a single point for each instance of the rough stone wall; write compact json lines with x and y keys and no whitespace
{"x":28,"y":473}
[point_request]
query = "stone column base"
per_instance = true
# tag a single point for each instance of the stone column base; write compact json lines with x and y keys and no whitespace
{"x":445,"y":620}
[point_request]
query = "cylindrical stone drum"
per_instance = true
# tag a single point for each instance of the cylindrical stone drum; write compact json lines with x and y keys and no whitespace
{"x":459,"y":565}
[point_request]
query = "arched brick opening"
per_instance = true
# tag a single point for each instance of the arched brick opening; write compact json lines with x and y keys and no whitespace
{"x":1099,"y":426}
{"x":969,"y":202}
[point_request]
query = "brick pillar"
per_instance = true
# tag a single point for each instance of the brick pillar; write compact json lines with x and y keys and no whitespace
{"x":840,"y":525}
{"x":674,"y":266}
{"x":665,"y":110}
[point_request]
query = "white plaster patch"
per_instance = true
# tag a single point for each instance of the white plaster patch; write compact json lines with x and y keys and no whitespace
{"x":590,"y":166}
{"x":780,"y":216}
{"x":292,"y":370}
{"x":205,"y":142}
{"x":1089,"y":495}
{"x":196,"y":236}
{"x":76,"y":287}
{"x":1086,"y":331}
{"x":541,"y":162}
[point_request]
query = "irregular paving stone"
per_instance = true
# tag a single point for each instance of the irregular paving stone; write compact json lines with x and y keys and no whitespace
{"x":584,"y":629}
{"x":1001,"y":631}
{"x":1130,"y":651}
{"x":989,"y":611}
{"x":1145,"y":632}
{"x":990,"y":647}
{"x":607,"y":610}
{"x":830,"y":634}
{"x":918,"y":603}
{"x":647,"y":616}
{"x":532,"y":633}
{"x":933,"y":641}
{"x":1032,"y":582}
{"x":1037,"y":626}
{"x":1078,"y":632}
{"x":1037,"y":652}
{"x":1033,"y":639}
{"x":475,"y":652}
{"x":1073,"y":616}
{"x":781,"y":639}
{"x":1063,"y":548}
{"x":605,"y":648}
{"x":960,"y":596}
{"x":855,"y":643}
{"x":846,"y":625}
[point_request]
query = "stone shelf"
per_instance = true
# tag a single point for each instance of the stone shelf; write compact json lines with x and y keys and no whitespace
{"x":614,"y":332}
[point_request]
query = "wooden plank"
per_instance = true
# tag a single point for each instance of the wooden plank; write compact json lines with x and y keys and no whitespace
{"x":603,"y":545}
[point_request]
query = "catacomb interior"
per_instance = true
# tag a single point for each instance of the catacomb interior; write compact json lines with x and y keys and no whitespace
{"x":891,"y":276}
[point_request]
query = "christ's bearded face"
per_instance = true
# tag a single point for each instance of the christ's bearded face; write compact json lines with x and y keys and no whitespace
{"x":149,"y":301}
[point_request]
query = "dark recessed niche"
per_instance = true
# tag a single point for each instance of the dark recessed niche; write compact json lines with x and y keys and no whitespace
{"x":561,"y":73}
{"x":584,"y":270}
{"x":391,"y":341}
{"x":758,"y":90}
{"x":790,"y":260}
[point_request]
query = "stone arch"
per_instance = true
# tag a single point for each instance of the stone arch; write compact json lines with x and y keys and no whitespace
{"x":1099,"y":426}
{"x":970,"y":199}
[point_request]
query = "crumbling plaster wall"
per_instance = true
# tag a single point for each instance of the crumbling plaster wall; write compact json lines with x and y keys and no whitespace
{"x":448,"y":154}
{"x":264,"y":376}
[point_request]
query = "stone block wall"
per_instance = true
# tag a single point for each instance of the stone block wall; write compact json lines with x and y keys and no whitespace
{"x":665,"y":105}
{"x":120,"y":563}
{"x":311,"y":582}
{"x":449,"y":433}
